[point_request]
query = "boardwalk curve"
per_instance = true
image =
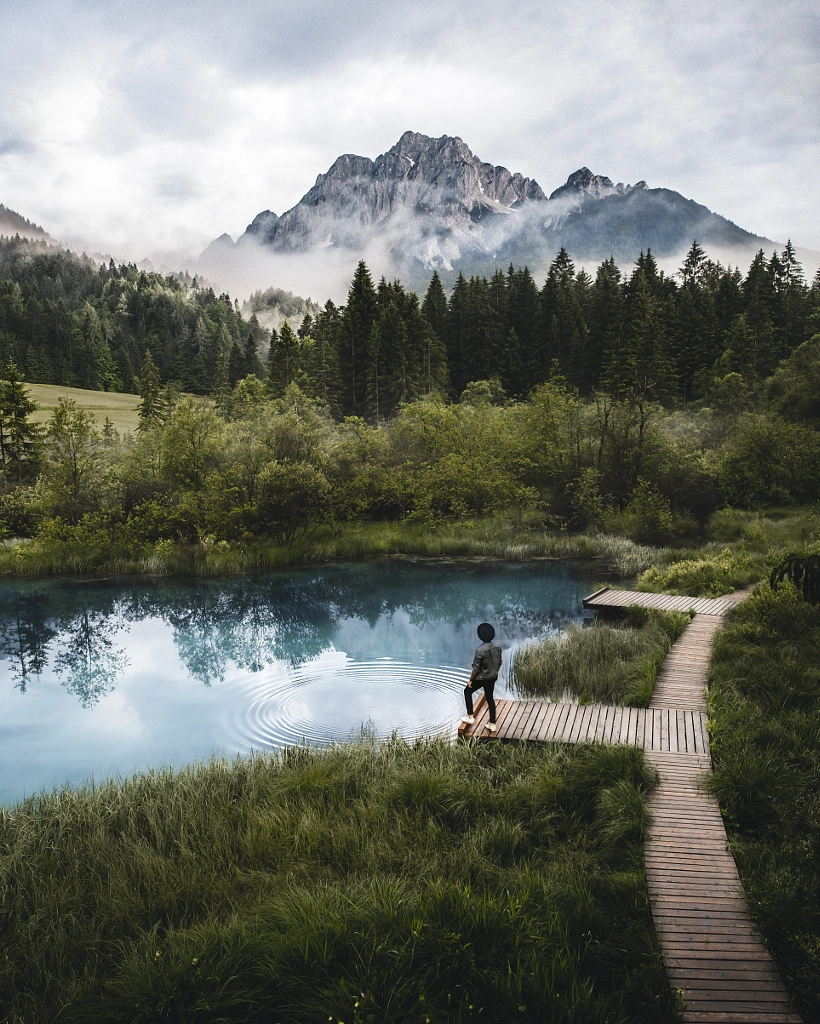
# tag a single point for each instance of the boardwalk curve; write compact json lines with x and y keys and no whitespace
{"x":716,"y":961}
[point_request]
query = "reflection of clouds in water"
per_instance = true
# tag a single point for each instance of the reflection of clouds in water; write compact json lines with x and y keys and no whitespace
{"x":307,"y":653}
{"x":333,"y":698}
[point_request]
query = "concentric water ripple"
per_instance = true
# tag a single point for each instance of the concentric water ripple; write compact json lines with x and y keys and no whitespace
{"x":319,"y":704}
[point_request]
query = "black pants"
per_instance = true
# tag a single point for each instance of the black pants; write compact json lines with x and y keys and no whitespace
{"x":470,"y":689}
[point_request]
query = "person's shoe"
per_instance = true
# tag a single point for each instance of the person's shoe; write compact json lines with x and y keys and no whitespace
{"x":492,"y":726}
{"x":469,"y":719}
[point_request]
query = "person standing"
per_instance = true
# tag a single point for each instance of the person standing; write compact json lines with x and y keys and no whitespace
{"x":486,"y":666}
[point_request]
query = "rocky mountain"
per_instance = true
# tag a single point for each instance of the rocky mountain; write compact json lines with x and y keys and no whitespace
{"x":431,"y":203}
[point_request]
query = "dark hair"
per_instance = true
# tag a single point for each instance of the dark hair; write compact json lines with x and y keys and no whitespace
{"x":486,"y":632}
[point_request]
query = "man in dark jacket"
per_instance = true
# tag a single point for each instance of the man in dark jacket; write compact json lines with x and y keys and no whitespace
{"x":486,"y":665}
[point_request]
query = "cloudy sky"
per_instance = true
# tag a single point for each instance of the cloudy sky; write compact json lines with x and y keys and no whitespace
{"x":153,"y":126}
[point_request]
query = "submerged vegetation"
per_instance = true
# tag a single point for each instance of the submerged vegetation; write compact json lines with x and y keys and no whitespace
{"x":397,"y":883}
{"x":764,"y":703}
{"x":602,"y":664}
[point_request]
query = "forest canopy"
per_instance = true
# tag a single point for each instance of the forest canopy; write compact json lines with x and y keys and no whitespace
{"x":635,"y":402}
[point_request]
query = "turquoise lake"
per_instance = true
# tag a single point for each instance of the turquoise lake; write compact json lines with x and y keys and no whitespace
{"x":108,"y":677}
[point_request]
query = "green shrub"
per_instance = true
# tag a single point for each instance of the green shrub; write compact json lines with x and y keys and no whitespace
{"x":708,"y":574}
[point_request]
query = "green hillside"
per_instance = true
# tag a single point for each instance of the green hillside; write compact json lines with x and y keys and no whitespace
{"x":121,"y":409}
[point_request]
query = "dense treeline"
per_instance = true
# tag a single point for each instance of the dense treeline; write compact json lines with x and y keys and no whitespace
{"x":672,"y":340}
{"x":68,"y":320}
{"x":353,"y":420}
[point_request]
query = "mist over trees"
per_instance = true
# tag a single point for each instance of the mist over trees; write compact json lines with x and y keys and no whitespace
{"x":637,"y":402}
{"x":668,"y":339}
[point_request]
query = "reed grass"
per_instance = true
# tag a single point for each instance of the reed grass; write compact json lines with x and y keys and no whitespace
{"x":764,"y":703}
{"x":393,"y":883}
{"x":600,"y":664}
{"x":487,"y":539}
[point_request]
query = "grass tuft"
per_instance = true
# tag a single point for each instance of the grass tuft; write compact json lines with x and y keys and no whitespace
{"x":600,"y":664}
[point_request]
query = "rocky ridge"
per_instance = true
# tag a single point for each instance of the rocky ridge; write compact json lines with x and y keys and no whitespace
{"x":431,"y":203}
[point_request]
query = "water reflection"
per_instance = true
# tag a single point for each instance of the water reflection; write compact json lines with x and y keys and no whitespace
{"x":169,"y":670}
{"x":25,"y":634}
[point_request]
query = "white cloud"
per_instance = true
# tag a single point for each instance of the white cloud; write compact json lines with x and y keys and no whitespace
{"x":149,"y":127}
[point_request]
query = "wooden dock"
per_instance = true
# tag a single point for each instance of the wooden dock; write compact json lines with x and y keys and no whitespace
{"x":716,"y":961}
{"x":657,"y":729}
{"x":606,"y":598}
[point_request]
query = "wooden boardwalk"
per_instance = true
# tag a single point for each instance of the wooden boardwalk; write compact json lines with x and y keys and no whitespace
{"x":659,"y":729}
{"x":716,"y":961}
{"x":607,"y":598}
{"x":714,"y":956}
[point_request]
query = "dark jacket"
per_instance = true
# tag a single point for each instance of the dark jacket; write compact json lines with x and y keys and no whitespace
{"x":486,"y":663}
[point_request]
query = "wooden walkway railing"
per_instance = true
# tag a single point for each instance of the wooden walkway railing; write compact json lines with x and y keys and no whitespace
{"x":715,"y":959}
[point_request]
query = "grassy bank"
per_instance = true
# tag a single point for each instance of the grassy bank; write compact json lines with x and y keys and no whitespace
{"x":431,"y":883}
{"x":602,"y":664}
{"x":97,"y":547}
{"x":765,"y":719}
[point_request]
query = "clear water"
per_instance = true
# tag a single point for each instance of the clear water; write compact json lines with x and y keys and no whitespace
{"x":108,"y":677}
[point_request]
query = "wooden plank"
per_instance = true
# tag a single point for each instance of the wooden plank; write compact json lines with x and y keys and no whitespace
{"x":582,"y":716}
{"x":617,"y":725}
{"x":557,"y":723}
{"x":544,"y":732}
{"x":535,"y":724}
{"x":592,"y":725}
{"x":511,"y":724}
{"x":536,"y":711}
{"x":567,"y":723}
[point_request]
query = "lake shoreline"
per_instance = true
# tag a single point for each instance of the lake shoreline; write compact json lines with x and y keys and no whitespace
{"x":106,"y":552}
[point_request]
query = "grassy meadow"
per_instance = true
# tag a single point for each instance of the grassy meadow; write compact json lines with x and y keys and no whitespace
{"x":393,"y":883}
{"x":120,"y":408}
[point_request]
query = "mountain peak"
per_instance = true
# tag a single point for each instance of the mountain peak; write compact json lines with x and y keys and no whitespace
{"x":583,"y":182}
{"x":419,"y":176}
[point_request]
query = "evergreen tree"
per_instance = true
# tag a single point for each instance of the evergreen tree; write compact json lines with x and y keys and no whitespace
{"x":283,"y":360}
{"x":321,"y":362}
{"x":434,"y":308}
{"x":18,"y":436}
{"x":355,"y":326}
{"x":222,"y":385}
{"x":457,"y":311}
{"x":151,"y":408}
{"x":651,"y":366}
{"x":606,"y":312}
{"x":523,"y":314}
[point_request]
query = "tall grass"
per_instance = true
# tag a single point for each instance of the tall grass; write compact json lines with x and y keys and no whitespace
{"x":81,"y":552}
{"x":397,"y":883}
{"x":764,"y":701}
{"x":601,"y":664}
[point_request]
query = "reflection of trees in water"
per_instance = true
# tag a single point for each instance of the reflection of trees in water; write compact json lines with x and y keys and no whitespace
{"x":34,"y":624}
{"x":253,"y":622}
{"x":25,"y":634}
{"x":88,"y":656}
{"x":250,"y":623}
